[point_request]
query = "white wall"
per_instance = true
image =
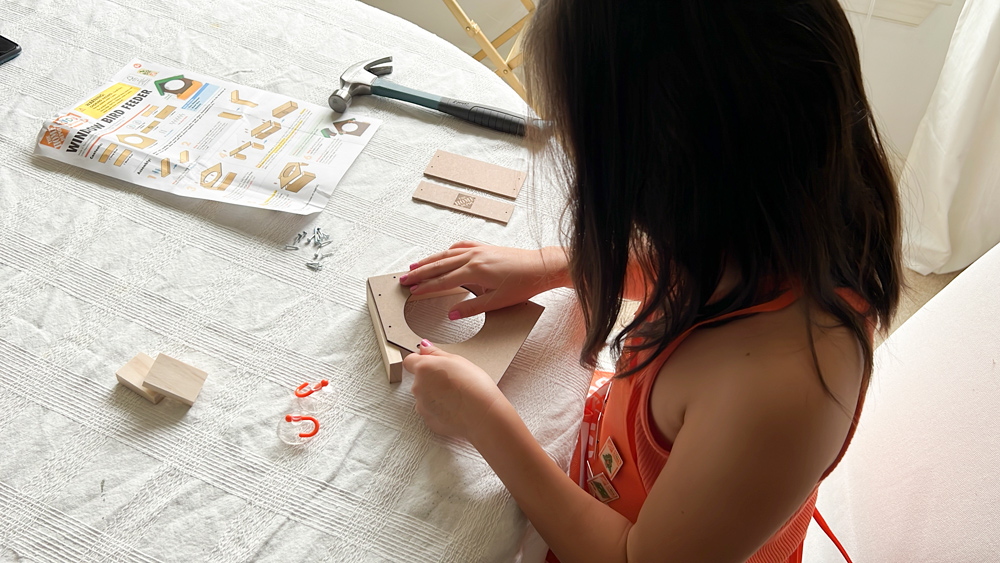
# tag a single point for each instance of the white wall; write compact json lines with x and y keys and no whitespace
{"x":901,"y":64}
{"x":493,"y":17}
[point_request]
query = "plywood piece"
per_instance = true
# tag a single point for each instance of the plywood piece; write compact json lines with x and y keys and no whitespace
{"x":237,"y":152}
{"x":151,"y":126}
{"x":392,"y":357}
{"x":477,"y":174}
{"x":284,"y":109}
{"x":264,"y":129}
{"x":184,"y":157}
{"x":210,"y":178}
{"x":164,"y":167}
{"x":165,"y":112}
{"x":136,"y":140}
{"x":229,"y":115}
{"x":108,"y":152}
{"x":122,"y":157}
{"x":149,"y":111}
{"x":234,"y":97}
{"x":492,"y":348}
{"x":293,"y":178}
{"x":175,"y":379}
{"x":133,"y":374}
{"x":464,"y":202}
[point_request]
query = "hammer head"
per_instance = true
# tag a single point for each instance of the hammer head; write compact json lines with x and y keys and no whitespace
{"x":357,"y":81}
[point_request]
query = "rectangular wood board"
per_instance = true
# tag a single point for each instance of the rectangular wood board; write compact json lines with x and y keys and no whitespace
{"x":392,"y":358}
{"x":464,"y":202}
{"x":477,"y":174}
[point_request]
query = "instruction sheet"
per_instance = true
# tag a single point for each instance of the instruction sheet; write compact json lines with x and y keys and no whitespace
{"x":197,"y":136}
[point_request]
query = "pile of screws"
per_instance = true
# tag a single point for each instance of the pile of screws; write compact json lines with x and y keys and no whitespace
{"x":318,"y":239}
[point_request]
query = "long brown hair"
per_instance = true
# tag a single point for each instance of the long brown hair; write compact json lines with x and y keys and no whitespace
{"x":696,"y":133}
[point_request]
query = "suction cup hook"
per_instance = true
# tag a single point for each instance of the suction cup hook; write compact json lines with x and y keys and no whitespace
{"x":292,"y":433}
{"x":304,"y":390}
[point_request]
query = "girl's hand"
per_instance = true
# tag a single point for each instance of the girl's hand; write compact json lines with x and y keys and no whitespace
{"x":504,"y":276}
{"x":453,"y":394}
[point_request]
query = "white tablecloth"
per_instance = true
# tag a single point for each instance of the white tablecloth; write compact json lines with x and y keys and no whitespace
{"x":94,"y":270}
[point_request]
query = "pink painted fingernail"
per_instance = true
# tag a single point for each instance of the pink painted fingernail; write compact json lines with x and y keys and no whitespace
{"x":414,"y":265}
{"x":403,"y":277}
{"x":425,"y":343}
{"x":454,"y":315}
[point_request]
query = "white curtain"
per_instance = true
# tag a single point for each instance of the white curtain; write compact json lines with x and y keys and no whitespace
{"x":950,"y":186}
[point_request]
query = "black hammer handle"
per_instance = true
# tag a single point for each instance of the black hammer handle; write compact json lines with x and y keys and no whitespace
{"x":494,"y":118}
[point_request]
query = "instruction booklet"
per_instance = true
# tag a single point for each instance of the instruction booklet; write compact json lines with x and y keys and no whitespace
{"x":197,"y":136}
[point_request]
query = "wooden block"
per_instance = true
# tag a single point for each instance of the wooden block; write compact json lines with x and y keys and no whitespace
{"x":184,"y":156}
{"x":175,"y":379}
{"x":149,"y":111}
{"x":464,"y":202}
{"x":122,"y":157}
{"x":133,"y":374}
{"x":234,"y":97}
{"x":165,"y":112}
{"x":392,"y":358}
{"x":475,"y":174}
{"x":164,"y":167}
{"x":107,"y":152}
{"x":284,"y":109}
{"x":229,"y":115}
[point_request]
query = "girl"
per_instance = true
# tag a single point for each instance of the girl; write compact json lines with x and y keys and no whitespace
{"x":724,"y":168}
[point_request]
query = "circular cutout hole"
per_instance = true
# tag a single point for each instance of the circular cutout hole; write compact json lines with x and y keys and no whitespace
{"x":349,"y":127}
{"x":429,"y":319}
{"x":174,"y":85}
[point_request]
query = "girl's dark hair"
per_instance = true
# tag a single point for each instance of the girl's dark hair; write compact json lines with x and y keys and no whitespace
{"x":698,"y":132}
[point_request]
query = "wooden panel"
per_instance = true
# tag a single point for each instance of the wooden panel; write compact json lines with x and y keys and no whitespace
{"x":492,"y":348}
{"x":464,"y":202}
{"x":392,"y":358}
{"x":175,"y":379}
{"x":133,"y":374}
{"x":476,"y":174}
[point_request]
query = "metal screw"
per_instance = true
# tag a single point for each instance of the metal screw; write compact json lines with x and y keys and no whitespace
{"x":314,"y":266}
{"x":325,"y":243}
{"x":291,"y":247}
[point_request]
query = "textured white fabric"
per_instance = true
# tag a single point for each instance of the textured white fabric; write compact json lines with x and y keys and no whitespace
{"x":94,"y":270}
{"x":950,"y":184}
{"x":920,"y":482}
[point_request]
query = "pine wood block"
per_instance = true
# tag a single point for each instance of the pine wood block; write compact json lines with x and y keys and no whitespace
{"x":475,"y":174}
{"x":449,"y":198}
{"x":284,"y":109}
{"x":175,"y":379}
{"x":133,"y":374}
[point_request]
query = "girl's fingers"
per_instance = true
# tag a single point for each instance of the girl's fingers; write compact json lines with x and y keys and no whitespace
{"x":471,"y":307}
{"x":466,"y":244}
{"x":433,"y":270}
{"x":450,"y":280}
{"x":439,"y":256}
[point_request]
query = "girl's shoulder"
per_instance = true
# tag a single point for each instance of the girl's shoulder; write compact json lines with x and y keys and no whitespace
{"x":763,"y":367}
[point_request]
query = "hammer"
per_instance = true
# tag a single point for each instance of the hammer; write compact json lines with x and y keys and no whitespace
{"x":364,"y":78}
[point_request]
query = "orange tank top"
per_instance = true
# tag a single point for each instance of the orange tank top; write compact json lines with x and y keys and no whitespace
{"x":617,"y":412}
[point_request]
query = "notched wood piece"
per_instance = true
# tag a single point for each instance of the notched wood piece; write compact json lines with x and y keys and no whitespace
{"x":465,"y":202}
{"x":175,"y":379}
{"x":492,"y":348}
{"x":392,"y":358}
{"x":133,"y":374}
{"x":477,"y":174}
